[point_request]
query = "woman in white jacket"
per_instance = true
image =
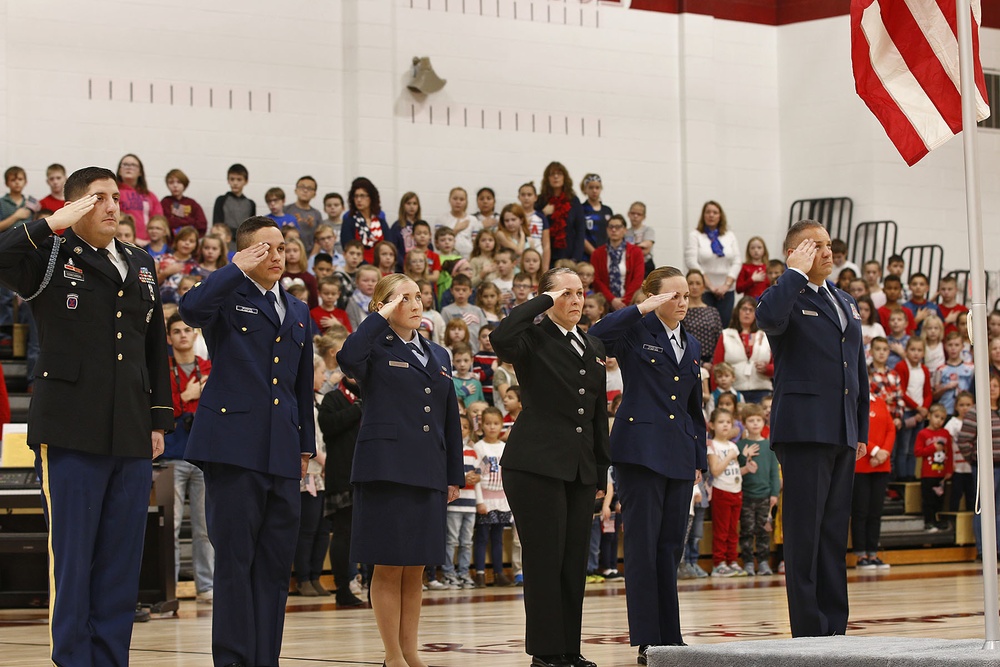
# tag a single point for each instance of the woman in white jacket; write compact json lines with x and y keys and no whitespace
{"x":744,"y":347}
{"x":714,"y":250}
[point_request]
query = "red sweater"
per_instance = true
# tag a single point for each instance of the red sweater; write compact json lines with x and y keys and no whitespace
{"x":903,"y":370}
{"x":885,"y":311}
{"x":319,"y":312}
{"x":745,"y":284}
{"x":881,"y":434}
{"x":935,"y":464}
{"x":634,"y":272}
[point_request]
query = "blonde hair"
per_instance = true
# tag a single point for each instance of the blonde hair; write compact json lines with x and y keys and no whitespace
{"x":303,"y":256}
{"x":385,"y":288}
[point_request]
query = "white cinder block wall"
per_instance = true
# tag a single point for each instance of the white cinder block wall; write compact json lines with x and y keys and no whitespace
{"x":671,"y":110}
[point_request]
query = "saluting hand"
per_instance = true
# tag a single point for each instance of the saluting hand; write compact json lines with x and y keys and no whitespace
{"x":654,"y":301}
{"x":71,"y":213}
{"x":555,"y":294}
{"x":803,"y":256}
{"x":388,"y":309}
{"x":248,"y":258}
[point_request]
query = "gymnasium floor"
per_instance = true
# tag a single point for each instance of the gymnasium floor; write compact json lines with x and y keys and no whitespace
{"x":486,"y":626}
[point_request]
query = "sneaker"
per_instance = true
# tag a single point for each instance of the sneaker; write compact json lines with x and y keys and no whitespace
{"x":722,"y":570}
{"x":878,"y":563}
{"x":781,"y":567}
{"x":355,"y":586}
{"x":700,"y":573}
{"x":205,"y":597}
{"x":435,"y":585}
{"x":612,"y":574}
{"x":685,"y":571}
{"x":465,"y":581}
{"x":519,"y":580}
{"x":865,"y":564}
{"x":764,"y":570}
{"x":595,"y":579}
{"x":740,"y":572}
{"x":453,"y":582}
{"x":748,"y":569}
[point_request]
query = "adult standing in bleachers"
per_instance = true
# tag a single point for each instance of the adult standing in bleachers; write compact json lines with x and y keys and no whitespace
{"x":713,"y":249}
{"x":567,"y":224}
{"x":744,"y":346}
{"x":100,"y":407}
{"x":253,"y":435}
{"x":819,"y":425}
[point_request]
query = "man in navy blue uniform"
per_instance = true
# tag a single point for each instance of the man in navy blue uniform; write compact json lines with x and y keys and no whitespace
{"x":100,"y":407}
{"x":819,"y":424}
{"x":253,"y":434}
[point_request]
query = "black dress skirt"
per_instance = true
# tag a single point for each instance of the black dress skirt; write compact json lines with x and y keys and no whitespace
{"x":398,"y":524}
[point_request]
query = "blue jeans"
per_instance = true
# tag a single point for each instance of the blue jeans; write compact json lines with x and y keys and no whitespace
{"x":977,"y":519}
{"x":723,"y":305}
{"x":460,"y":527}
{"x":189,"y":482}
{"x":595,"y":545}
{"x":691,"y":547}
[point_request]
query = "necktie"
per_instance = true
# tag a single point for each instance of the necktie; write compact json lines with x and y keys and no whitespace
{"x":578,"y":347}
{"x":678,"y":347}
{"x":106,"y":254}
{"x":273,"y":300}
{"x":833,"y":302}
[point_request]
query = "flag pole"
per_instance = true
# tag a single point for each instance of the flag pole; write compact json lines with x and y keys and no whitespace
{"x":977,"y":320}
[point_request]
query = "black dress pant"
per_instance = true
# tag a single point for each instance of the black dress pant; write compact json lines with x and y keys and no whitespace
{"x":553,"y":518}
{"x":818,"y":481}
{"x":655,"y":517}
{"x":866,"y":511}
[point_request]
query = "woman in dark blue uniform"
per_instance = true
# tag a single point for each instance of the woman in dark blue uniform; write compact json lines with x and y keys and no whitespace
{"x":556,"y":460}
{"x":407,"y":462}
{"x":657,"y":448}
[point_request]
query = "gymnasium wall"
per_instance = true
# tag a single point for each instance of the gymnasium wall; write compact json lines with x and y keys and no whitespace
{"x":671,"y":109}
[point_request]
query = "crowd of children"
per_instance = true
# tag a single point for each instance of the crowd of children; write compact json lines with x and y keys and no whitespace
{"x":473,"y":268}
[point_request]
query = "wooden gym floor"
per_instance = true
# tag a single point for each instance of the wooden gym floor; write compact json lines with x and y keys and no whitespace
{"x":486,"y":626}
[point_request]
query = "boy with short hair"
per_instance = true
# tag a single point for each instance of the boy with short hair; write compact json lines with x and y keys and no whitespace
{"x":234,"y":207}
{"x":15,"y":206}
{"x":467,"y":387}
{"x":761,"y":485}
{"x":322,"y":266}
{"x":896,"y":336}
{"x":895,"y":266}
{"x":724,"y":375}
{"x":504,"y":276}
{"x":354,"y":257}
{"x":275,"y":200}
{"x":892,"y":287}
{"x":918,"y":303}
{"x":472,"y":315}
{"x":775,"y":268}
{"x":484,"y":361}
{"x":364,"y":288}
{"x":949,"y":305}
{"x":461,"y":520}
{"x":883,"y":381}
{"x":325,"y":243}
{"x":933,"y":446}
{"x":522,"y":291}
{"x":179,"y":210}
{"x":839,"y":250}
{"x":957,"y":374}
{"x":55,"y":176}
{"x":305,"y":215}
{"x":327,"y":314}
{"x":444,"y":244}
{"x":333,"y":206}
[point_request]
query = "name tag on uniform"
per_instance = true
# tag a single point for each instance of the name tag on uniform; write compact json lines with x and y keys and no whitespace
{"x":810,"y":313}
{"x":246,"y":309}
{"x":651,"y":348}
{"x":398,"y":364}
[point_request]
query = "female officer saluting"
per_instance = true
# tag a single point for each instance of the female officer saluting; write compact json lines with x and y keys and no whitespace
{"x":657,"y":447}
{"x":556,"y":460}
{"x":407,"y":461}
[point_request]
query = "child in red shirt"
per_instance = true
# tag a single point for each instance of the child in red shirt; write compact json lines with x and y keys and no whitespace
{"x":752,"y":280}
{"x":933,"y":446}
{"x":871,"y":477}
{"x":326,"y":314}
{"x":915,"y":381}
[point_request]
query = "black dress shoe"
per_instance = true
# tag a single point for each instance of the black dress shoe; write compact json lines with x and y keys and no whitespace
{"x":641,"y":658}
{"x":349,"y":600}
{"x":579,"y":661}
{"x":236,"y":664}
{"x":549,"y":661}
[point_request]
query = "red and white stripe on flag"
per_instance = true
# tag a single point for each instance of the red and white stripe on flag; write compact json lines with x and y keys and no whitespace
{"x":905,"y":55}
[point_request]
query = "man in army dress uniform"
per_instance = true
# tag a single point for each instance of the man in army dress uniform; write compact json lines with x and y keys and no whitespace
{"x":100,"y":407}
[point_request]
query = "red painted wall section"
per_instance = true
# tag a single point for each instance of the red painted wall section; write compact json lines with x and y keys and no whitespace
{"x":777,"y":12}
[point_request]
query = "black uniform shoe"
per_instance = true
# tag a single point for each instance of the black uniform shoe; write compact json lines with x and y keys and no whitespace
{"x":549,"y":661}
{"x":641,"y":658}
{"x":579,"y":661}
